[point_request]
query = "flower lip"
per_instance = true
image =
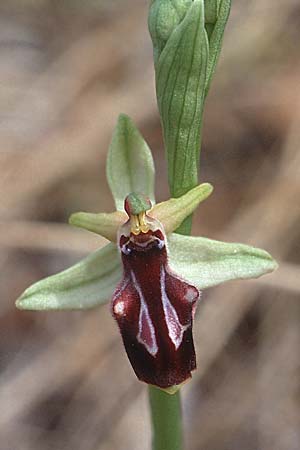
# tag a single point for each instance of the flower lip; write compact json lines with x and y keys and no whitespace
{"x":154,"y":310}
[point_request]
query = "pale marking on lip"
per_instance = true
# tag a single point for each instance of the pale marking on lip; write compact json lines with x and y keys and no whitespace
{"x":119,"y":308}
{"x":151,"y":239}
{"x":190,"y":295}
{"x":121,"y":289}
{"x":145,"y":336}
{"x":175,"y":328}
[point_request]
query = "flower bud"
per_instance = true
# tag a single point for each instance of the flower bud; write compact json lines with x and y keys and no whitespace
{"x":180,"y":47}
{"x":164,"y":17}
{"x":187,"y":38}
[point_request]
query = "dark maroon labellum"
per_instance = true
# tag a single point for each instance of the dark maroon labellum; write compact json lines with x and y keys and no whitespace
{"x":154,"y":307}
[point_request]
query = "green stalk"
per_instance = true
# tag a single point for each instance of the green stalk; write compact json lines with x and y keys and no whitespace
{"x":166,"y":420}
{"x":167,"y":433}
{"x":187,"y":38}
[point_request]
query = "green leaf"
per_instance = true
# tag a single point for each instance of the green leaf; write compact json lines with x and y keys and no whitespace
{"x":181,"y":52}
{"x":130,"y":165}
{"x":88,"y":283}
{"x":215,"y":34}
{"x":172,"y":212}
{"x":205,"y":262}
{"x":105,"y":224}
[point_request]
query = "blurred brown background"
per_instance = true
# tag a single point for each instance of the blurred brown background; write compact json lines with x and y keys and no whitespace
{"x":67,"y":68}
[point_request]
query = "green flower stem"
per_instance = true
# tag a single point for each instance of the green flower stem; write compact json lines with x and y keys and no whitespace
{"x":166,"y":420}
{"x":187,"y":38}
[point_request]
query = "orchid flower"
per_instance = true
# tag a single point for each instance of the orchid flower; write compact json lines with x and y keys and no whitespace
{"x":152,"y":275}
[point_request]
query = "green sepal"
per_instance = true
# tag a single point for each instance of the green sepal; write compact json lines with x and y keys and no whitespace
{"x":215,"y":32}
{"x":87,"y":284}
{"x":105,"y":224}
{"x":130,"y":166}
{"x":180,"y":69}
{"x":172,"y":212}
{"x":206,"y":263}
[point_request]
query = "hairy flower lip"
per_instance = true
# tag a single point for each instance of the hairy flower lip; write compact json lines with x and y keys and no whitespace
{"x":154,"y":310}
